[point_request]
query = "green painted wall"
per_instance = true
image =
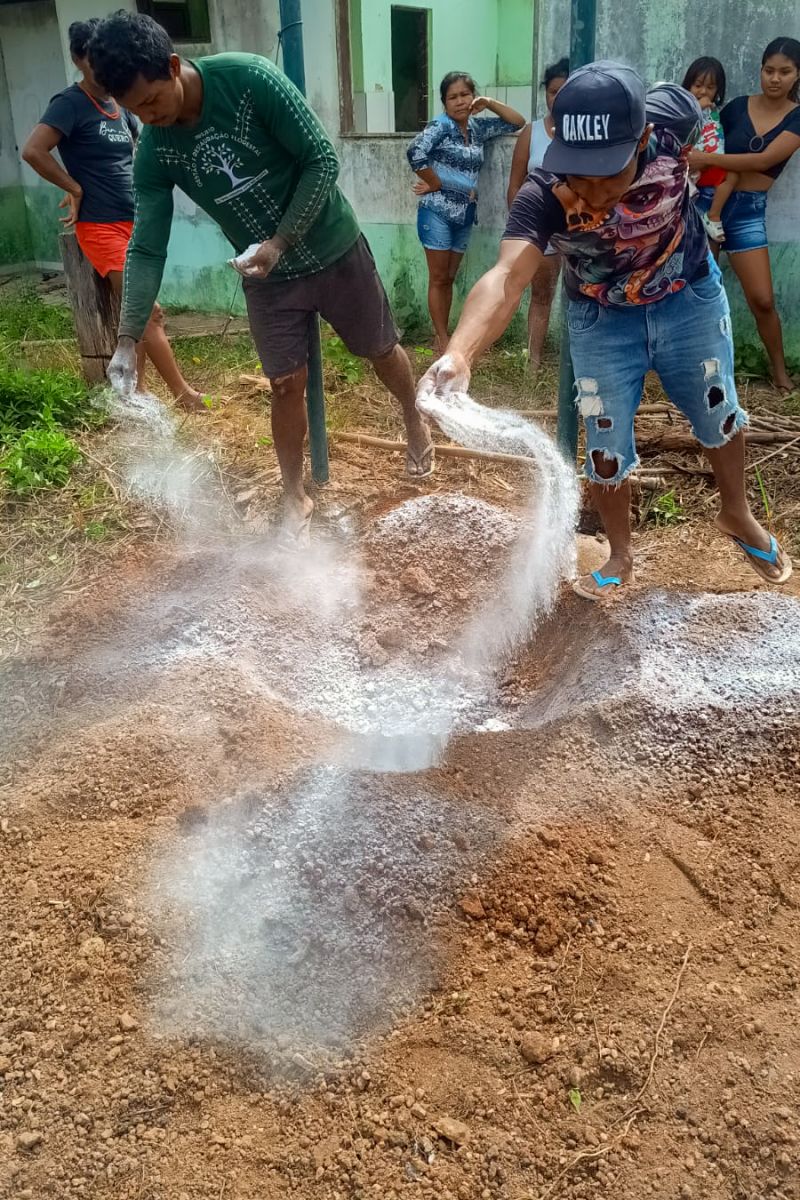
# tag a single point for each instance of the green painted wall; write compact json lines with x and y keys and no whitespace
{"x":401,"y":263}
{"x":462,"y":38}
{"x":356,"y":46}
{"x":43,"y":220}
{"x":514,"y":42}
{"x":29,"y":224}
{"x":197,"y":273}
{"x":785,"y":263}
{"x":16,"y":245}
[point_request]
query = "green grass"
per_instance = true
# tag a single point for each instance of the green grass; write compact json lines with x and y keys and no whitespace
{"x":235,"y":352}
{"x":504,"y":377}
{"x":215,"y":353}
{"x":764,"y":496}
{"x":666,"y":510}
{"x":791,"y":404}
{"x":38,"y":406}
{"x":41,"y":457}
{"x":46,"y":397}
{"x":24,"y":316}
{"x":342,"y":369}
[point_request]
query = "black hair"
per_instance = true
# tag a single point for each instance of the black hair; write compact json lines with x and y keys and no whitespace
{"x":80,"y":34}
{"x":455,"y":77}
{"x":557,"y":70}
{"x":707,"y":66}
{"x":789,"y":48}
{"x":125,"y":46}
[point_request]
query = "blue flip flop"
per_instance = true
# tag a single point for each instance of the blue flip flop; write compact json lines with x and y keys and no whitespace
{"x":602,"y":581}
{"x":755,"y":557}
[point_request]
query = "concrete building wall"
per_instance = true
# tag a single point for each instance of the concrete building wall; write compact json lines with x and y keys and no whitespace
{"x":15,"y":240}
{"x":375,"y":172}
{"x":9,"y":156}
{"x":376,"y":176}
{"x":34,"y":69}
{"x":68,"y":11}
{"x":491,"y":39}
{"x":515,"y":21}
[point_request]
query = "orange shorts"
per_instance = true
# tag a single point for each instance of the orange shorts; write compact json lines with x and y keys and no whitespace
{"x":105,"y":245}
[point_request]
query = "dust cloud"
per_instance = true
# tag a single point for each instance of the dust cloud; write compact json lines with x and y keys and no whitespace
{"x":303,"y":916}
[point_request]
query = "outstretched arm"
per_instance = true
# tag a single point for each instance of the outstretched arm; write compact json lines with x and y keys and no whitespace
{"x":147,"y":251}
{"x":487,"y":313}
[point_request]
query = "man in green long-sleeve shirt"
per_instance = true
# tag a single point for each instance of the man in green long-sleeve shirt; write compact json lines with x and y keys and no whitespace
{"x":239,"y":139}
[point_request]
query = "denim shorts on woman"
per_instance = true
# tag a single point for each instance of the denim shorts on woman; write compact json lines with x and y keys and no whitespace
{"x":437,"y":233}
{"x":685,"y":338}
{"x":744,"y":219}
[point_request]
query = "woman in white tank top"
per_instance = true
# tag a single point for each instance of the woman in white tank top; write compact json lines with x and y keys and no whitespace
{"x":528,"y":155}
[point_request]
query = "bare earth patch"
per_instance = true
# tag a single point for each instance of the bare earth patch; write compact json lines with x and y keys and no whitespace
{"x":563,"y":962}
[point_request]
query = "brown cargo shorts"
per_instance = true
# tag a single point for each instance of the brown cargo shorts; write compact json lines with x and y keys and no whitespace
{"x":348,"y":295}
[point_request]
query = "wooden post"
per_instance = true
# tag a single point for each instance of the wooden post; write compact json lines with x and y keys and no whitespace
{"x":95,"y":310}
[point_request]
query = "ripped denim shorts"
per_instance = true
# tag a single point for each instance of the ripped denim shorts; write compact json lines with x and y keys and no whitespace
{"x":685,"y":338}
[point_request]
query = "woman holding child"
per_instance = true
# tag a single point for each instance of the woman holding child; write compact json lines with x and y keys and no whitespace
{"x":761,"y":133}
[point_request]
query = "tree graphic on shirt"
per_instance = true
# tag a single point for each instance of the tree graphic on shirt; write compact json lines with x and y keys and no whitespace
{"x":220,"y":158}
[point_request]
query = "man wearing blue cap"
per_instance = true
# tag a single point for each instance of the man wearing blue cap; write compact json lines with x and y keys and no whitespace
{"x":644,"y":294}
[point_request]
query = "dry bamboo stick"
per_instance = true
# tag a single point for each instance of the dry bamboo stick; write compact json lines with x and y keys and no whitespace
{"x":364,"y":439}
{"x":446,"y":451}
{"x":669,"y":439}
{"x":643,"y":410}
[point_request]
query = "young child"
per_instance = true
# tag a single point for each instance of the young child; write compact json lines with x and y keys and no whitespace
{"x":705,"y":79}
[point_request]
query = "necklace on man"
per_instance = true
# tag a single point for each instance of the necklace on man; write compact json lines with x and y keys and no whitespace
{"x":112,"y":116}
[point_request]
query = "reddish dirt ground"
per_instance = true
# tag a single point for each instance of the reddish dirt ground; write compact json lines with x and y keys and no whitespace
{"x":564,"y":962}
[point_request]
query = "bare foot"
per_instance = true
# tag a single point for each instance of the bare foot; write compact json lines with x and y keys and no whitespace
{"x":783,"y":383}
{"x":190,"y":401}
{"x":297,"y":520}
{"x":752,"y":534}
{"x":592,"y":586}
{"x":419,"y":455}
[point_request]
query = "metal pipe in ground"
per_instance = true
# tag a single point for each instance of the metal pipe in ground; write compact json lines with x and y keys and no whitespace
{"x":583,"y":25}
{"x":291,"y":38}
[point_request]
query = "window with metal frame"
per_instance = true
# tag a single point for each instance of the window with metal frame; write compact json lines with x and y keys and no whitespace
{"x":184,"y":20}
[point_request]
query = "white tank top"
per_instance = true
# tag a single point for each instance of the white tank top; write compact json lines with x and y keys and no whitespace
{"x":540,"y":140}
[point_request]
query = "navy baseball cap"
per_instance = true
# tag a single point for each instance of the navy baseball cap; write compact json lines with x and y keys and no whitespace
{"x":599,"y":117}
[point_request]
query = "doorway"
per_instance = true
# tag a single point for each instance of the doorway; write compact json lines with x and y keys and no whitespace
{"x":410,"y":68}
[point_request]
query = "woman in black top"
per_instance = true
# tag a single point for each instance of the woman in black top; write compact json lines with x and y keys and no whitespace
{"x":762,"y":133}
{"x":94,"y":137}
